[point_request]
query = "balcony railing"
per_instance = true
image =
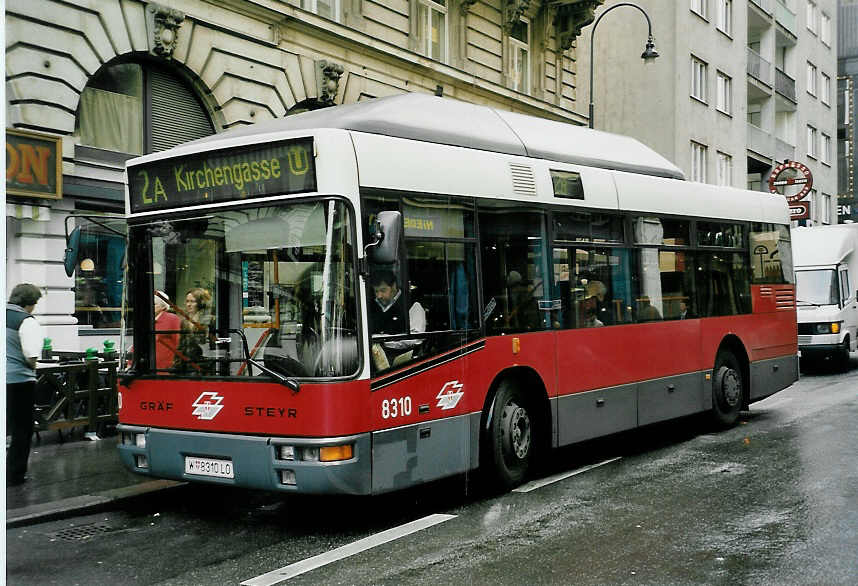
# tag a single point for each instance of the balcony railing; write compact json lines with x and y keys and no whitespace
{"x":760,"y":141}
{"x":785,"y":17}
{"x":765,"y":5}
{"x":785,"y":85}
{"x":759,"y":68}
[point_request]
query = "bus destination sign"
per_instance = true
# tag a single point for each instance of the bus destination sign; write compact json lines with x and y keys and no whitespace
{"x":223,"y":175}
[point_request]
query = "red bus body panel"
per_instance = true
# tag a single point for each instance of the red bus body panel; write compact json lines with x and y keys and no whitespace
{"x":567,"y":362}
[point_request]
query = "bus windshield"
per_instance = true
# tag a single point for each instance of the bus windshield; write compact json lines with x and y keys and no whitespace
{"x":817,"y":287}
{"x":272,"y":285}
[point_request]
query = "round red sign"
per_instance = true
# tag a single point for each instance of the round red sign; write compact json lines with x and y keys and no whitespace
{"x":792,"y":180}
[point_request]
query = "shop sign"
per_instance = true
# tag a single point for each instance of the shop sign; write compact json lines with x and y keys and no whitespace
{"x":799,"y":210}
{"x":34,"y":164}
{"x":792,"y":180}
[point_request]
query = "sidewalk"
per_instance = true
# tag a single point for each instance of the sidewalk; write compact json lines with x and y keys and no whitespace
{"x":73,"y":478}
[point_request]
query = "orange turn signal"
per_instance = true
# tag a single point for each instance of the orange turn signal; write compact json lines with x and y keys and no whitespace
{"x":336,"y":453}
{"x":516,"y":345}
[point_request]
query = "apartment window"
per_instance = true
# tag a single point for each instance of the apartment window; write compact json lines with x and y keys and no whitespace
{"x":699,"y":7}
{"x":725,"y":93}
{"x":826,"y":90}
{"x":811,"y":142}
{"x":814,"y":212}
{"x":519,"y":45}
{"x":725,"y":169}
{"x":826,"y":208}
{"x":724,"y":16}
{"x":825,"y":149}
{"x":825,"y":29}
{"x":812,"y":17}
{"x":698,"y":79}
{"x":811,"y":78}
{"x":698,"y":162}
{"x":324,"y":8}
{"x":432,"y":28}
{"x":755,"y":114}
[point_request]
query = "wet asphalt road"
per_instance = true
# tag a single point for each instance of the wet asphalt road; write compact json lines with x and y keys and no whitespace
{"x":771,"y":501}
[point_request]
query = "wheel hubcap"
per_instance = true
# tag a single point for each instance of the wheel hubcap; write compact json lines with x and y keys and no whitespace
{"x":519,"y":430}
{"x":732,"y":388}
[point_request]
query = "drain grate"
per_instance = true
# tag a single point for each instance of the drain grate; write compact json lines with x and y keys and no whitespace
{"x":81,"y":532}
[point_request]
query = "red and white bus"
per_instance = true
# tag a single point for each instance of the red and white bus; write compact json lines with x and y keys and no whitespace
{"x":547,"y":284}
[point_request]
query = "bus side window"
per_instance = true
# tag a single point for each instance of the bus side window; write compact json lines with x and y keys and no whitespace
{"x":516,"y":296}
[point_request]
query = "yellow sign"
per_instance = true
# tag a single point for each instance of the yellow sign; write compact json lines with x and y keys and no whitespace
{"x":34,"y":164}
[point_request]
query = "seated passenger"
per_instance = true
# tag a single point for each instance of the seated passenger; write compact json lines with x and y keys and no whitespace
{"x":590,"y":319}
{"x":194,"y":330}
{"x":524,"y":307}
{"x":165,"y":344}
{"x":647,"y":311}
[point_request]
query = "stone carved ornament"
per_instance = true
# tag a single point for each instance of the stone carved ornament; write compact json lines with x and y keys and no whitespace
{"x":328,"y":76}
{"x":164,"y":29}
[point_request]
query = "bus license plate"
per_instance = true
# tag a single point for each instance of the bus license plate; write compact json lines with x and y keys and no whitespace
{"x":209,"y":467}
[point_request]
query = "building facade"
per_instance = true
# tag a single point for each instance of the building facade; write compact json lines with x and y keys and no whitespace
{"x":740,"y":86}
{"x":101,"y":81}
{"x":847,"y":101}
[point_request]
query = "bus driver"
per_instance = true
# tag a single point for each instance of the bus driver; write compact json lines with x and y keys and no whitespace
{"x":387,"y":316}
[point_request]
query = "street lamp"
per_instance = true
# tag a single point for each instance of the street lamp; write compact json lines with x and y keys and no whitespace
{"x":648,"y":55}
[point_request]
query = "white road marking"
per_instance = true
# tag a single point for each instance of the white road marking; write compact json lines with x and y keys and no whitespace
{"x":765,"y":405}
{"x":558,"y":477}
{"x":298,"y":568}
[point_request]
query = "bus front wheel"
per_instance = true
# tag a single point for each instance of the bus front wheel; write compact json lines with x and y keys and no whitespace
{"x":510,"y":436}
{"x":727,"y":390}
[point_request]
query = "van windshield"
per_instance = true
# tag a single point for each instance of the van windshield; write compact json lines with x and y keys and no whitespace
{"x":817,"y":287}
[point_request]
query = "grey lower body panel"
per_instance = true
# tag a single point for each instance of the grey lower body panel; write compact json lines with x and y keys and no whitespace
{"x":414,"y":454}
{"x":253,"y":459}
{"x":770,"y":376}
{"x":593,"y":414}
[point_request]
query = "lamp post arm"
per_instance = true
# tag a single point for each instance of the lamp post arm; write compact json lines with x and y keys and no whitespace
{"x":593,"y":37}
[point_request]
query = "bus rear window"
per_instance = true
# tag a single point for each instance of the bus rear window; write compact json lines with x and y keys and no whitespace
{"x":771,"y":254}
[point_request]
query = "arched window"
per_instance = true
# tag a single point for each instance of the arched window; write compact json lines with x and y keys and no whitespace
{"x":131,"y":108}
{"x":138,"y":108}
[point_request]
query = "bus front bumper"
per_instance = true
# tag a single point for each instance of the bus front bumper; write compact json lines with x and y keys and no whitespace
{"x":247,"y":461}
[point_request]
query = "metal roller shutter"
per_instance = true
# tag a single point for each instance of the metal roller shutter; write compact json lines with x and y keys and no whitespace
{"x":177,"y":115}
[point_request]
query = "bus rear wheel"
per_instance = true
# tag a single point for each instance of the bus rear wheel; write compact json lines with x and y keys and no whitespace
{"x":727,"y":390}
{"x":510,"y":437}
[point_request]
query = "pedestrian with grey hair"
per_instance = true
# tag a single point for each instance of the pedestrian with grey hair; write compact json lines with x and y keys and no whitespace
{"x":23,"y":343}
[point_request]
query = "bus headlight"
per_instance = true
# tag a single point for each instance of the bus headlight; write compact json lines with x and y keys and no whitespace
{"x":134,"y":439}
{"x":328,"y":453}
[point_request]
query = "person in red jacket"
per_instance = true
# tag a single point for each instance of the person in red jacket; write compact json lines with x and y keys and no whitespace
{"x":165,"y":344}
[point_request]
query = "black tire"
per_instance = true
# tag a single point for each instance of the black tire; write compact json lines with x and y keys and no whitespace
{"x":842,"y":356}
{"x":510,"y":437}
{"x":728,"y":389}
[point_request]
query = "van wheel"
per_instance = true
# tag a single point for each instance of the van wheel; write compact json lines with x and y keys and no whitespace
{"x":510,"y":437}
{"x":727,"y":390}
{"x":842,"y":356}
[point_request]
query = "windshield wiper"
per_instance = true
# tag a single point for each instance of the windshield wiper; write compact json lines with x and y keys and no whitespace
{"x":283,"y":380}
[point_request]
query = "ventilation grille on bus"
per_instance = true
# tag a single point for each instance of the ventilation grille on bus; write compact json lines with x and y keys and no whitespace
{"x":784,"y":298}
{"x":523,"y":181}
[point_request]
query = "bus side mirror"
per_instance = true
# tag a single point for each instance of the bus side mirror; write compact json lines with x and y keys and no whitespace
{"x":385,"y":234}
{"x":72,"y":252}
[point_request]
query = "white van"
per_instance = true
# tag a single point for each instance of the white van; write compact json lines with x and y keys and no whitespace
{"x":826,"y":270}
